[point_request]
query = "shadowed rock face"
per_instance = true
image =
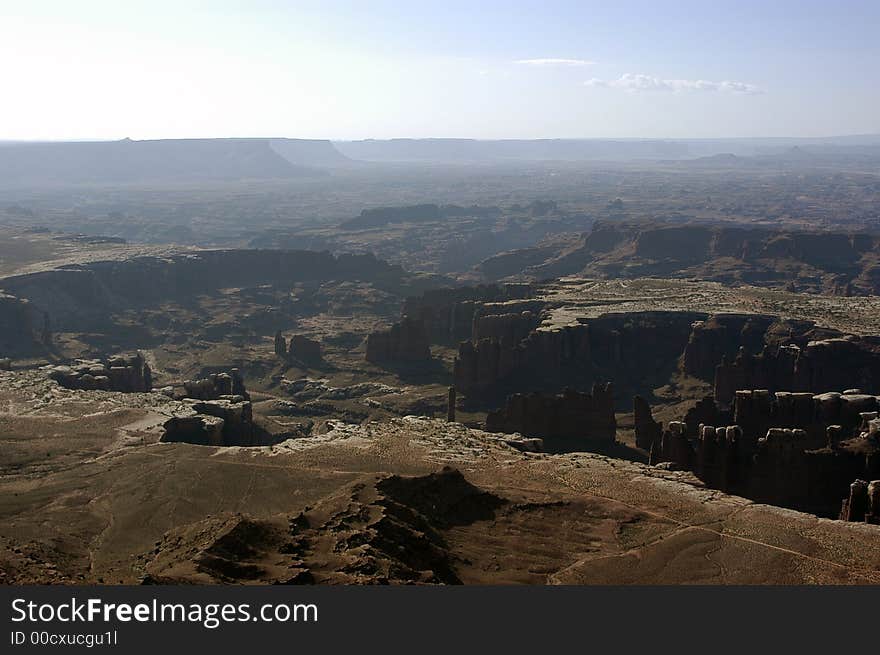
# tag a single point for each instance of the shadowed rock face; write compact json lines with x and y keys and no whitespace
{"x":301,"y":349}
{"x":570,"y":421}
{"x":449,"y":314}
{"x":404,"y":342}
{"x":647,"y":430}
{"x":226,"y":421}
{"x":863,"y":503}
{"x":84,"y":296}
{"x":304,"y":349}
{"x":796,"y":450}
{"x":841,"y":362}
{"x":829,"y":262}
{"x":17,"y":328}
{"x":634,"y":350}
{"x":641,"y":351}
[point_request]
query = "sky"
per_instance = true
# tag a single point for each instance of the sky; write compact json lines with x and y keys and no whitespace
{"x":94,"y":69}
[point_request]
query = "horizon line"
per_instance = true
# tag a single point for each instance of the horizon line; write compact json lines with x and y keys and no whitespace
{"x":6,"y":140}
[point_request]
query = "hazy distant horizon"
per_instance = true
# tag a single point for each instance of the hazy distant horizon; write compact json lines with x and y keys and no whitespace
{"x":781,"y":137}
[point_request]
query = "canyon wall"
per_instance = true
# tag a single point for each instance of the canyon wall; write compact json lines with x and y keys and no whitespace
{"x":404,"y":342}
{"x":840,"y":362}
{"x":81,"y":297}
{"x":796,"y":450}
{"x":635,"y":350}
{"x":448,"y":314}
{"x":18,"y":326}
{"x":842,"y":263}
{"x":569,"y":421}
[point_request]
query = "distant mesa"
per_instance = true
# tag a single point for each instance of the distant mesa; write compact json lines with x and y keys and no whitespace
{"x":180,"y":160}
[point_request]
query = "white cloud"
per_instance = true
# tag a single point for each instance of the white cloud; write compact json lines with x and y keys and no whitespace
{"x":551,"y":61}
{"x":635,"y":82}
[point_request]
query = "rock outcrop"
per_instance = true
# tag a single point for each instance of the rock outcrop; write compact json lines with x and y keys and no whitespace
{"x":448,"y":314}
{"x":569,"y":421}
{"x":507,"y":325}
{"x":404,"y":342}
{"x":835,"y":362}
{"x":217,"y":411}
{"x":126,"y":373}
{"x":280,"y":345}
{"x":647,"y":430}
{"x":81,"y":297}
{"x":216,"y":385}
{"x":638,"y":351}
{"x":305,"y":350}
{"x":797,"y":450}
{"x":225,"y":421}
{"x":832,"y":262}
{"x":301,"y":349}
{"x":17,"y":325}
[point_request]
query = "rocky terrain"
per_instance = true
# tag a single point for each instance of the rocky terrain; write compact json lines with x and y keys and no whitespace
{"x":410,"y":500}
{"x":833,"y":262}
{"x":361,"y":400}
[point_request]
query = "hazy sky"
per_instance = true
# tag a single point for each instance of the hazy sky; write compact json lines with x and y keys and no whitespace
{"x":92,"y":69}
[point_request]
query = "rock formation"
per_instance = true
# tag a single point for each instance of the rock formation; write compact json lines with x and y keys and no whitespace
{"x":280,"y":346}
{"x":818,"y":365}
{"x":129,"y":374}
{"x":647,"y":430}
{"x":216,"y":385}
{"x":833,"y":262}
{"x":638,"y":350}
{"x":301,"y":349}
{"x":406,"y":341}
{"x":569,"y":421}
{"x":448,"y":314}
{"x":216,"y":411}
{"x":17,"y":325}
{"x":305,"y":350}
{"x":81,"y":297}
{"x":225,"y":421}
{"x":797,"y":450}
{"x":507,"y":325}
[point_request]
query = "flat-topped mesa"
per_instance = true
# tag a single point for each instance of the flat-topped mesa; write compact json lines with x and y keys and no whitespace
{"x":225,"y":421}
{"x":818,"y":365}
{"x":512,"y":323}
{"x":216,"y":385}
{"x":403,"y":342}
{"x":797,"y":450}
{"x":126,"y":373}
{"x":81,"y":297}
{"x":569,"y":421}
{"x":217,"y":412}
{"x":637,"y":350}
{"x":448,"y":314}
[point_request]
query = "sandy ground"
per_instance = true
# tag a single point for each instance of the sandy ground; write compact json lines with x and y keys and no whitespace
{"x":93,"y":497}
